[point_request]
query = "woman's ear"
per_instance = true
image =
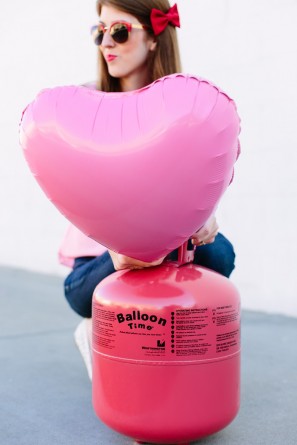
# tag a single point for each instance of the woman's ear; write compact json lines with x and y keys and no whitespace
{"x":153,"y":44}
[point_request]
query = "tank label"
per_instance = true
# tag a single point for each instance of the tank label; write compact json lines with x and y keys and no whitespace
{"x":139,"y":333}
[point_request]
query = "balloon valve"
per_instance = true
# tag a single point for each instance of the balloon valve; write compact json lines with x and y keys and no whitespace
{"x":186,"y":253}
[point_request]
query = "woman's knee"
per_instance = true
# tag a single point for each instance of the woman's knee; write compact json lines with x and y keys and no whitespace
{"x":218,"y":256}
{"x":79,"y":301}
{"x":82,"y":281}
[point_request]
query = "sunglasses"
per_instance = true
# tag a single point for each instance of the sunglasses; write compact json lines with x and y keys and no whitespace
{"x":119,"y":31}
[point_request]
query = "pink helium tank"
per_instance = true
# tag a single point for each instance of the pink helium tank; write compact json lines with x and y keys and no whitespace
{"x":166,"y":353}
{"x":139,"y":172}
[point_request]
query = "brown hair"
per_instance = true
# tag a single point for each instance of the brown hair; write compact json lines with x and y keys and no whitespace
{"x":163,"y":61}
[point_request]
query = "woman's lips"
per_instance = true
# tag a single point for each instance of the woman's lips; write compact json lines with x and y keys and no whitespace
{"x":110,"y":57}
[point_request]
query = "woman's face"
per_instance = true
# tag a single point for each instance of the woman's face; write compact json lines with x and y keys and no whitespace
{"x":126,"y":61}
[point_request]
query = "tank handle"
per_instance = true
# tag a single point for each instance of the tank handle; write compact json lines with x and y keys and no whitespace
{"x":186,"y":253}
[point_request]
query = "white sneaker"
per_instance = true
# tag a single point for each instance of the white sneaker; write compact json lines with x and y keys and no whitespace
{"x":82,"y":337}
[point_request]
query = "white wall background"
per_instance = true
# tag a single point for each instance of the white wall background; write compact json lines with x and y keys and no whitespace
{"x":246,"y":47}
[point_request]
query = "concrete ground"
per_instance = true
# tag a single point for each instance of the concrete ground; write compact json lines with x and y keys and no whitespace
{"x":45,"y":393}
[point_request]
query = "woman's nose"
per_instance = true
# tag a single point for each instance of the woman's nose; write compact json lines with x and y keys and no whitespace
{"x":107,"y":40}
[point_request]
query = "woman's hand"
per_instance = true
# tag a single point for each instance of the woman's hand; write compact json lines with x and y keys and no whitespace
{"x":207,"y":233}
{"x":122,"y":262}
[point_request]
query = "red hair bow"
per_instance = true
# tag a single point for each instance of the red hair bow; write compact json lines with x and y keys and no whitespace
{"x":160,"y":20}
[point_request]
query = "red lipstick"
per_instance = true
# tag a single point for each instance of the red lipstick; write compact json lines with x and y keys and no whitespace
{"x":110,"y":57}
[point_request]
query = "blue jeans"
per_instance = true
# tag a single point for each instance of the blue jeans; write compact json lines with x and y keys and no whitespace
{"x":87,"y":272}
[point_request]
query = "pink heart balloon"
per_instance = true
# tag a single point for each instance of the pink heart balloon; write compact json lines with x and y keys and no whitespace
{"x":140,"y":171}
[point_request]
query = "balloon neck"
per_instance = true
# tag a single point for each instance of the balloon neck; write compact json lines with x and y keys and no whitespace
{"x":186,"y":253}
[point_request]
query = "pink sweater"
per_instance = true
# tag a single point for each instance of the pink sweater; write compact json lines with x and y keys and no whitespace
{"x":75,"y":244}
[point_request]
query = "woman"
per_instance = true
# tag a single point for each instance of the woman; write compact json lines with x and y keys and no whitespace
{"x":137,"y":44}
